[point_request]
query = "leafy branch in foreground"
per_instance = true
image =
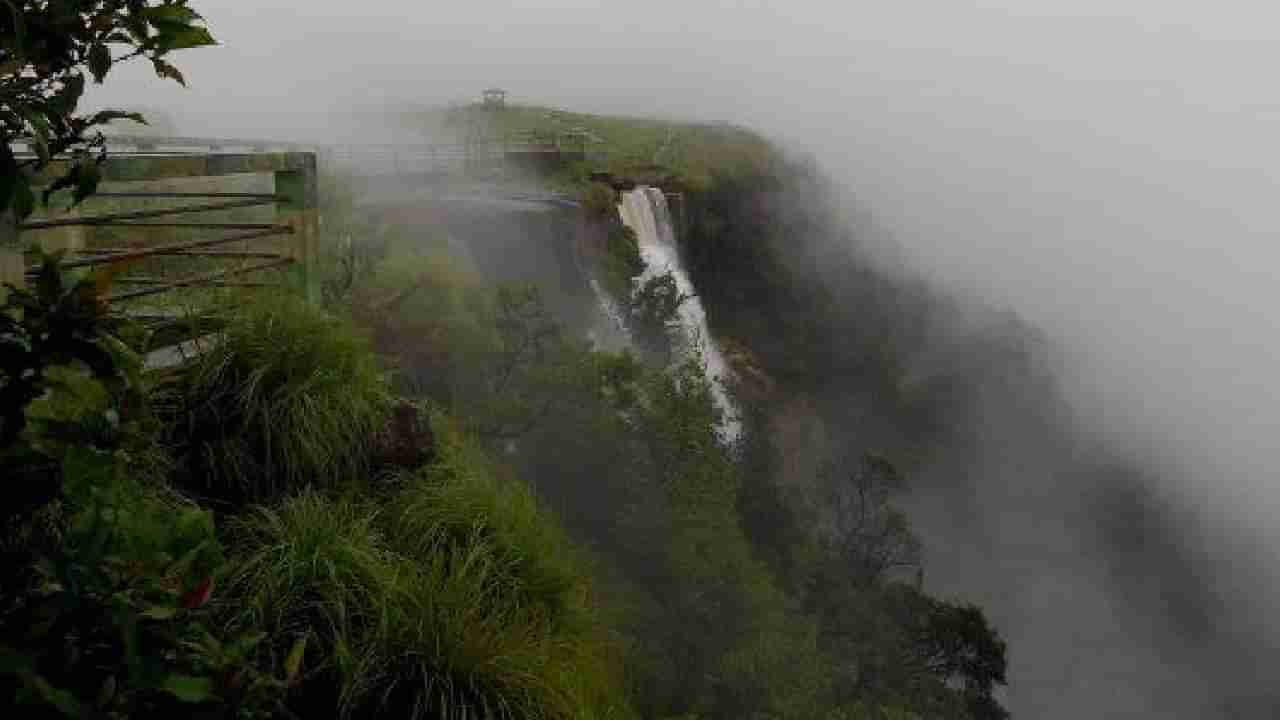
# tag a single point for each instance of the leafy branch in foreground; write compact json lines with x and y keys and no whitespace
{"x":66,"y":380}
{"x":48,"y":49}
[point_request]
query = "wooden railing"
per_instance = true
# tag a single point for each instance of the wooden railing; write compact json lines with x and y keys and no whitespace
{"x":236,"y":249}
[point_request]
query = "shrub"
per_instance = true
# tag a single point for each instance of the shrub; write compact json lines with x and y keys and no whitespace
{"x":315,"y":568}
{"x":621,"y":262}
{"x":62,"y":375}
{"x":458,"y":502}
{"x":287,"y":397}
{"x":457,"y":600}
{"x":114,"y":622}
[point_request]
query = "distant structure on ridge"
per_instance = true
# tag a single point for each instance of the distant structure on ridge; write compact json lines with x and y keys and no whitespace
{"x":495,"y":98}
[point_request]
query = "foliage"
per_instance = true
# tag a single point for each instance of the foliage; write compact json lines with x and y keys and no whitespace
{"x":522,"y":370}
{"x":621,"y":262}
{"x":46,"y":49}
{"x":872,"y":538}
{"x":56,"y":322}
{"x":462,"y":513}
{"x":288,"y":397}
{"x":459,"y":501}
{"x":733,"y":597}
{"x":116,"y":623}
{"x":347,"y":252}
{"x":457,"y":601}
{"x":315,"y":569}
{"x":959,"y":644}
{"x":427,"y":317}
{"x":654,"y":313}
{"x":494,"y":357}
{"x":778,"y":521}
{"x":66,"y":379}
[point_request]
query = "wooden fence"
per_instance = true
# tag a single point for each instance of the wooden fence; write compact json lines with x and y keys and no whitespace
{"x":238,"y":249}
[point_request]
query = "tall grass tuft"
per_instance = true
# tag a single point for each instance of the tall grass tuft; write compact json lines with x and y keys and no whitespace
{"x":456,"y":600}
{"x":317,"y":568}
{"x":288,"y":397}
{"x":459,"y":500}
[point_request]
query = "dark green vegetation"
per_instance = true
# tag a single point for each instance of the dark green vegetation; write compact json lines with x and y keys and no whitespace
{"x":285,"y":398}
{"x":330,"y":577}
{"x":48,"y":49}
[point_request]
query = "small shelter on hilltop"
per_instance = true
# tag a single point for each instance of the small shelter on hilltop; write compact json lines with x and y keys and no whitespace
{"x":495,"y":98}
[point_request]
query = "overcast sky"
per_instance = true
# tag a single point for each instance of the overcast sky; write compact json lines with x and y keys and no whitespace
{"x":1105,"y":167}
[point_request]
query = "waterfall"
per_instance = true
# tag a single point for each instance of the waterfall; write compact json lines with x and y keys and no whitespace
{"x":613,"y":333}
{"x":645,"y":211}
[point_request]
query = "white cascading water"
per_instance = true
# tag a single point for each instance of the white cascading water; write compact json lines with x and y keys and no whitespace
{"x":645,"y":211}
{"x":610,"y":308}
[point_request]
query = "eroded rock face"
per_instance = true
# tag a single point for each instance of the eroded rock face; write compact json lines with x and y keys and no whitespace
{"x":406,"y":443}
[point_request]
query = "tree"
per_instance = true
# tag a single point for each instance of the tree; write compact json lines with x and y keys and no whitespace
{"x":871,"y":536}
{"x":47,"y":50}
{"x":655,"y":307}
{"x":958,"y":644}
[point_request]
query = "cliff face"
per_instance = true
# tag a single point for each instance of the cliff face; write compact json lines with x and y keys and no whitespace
{"x":1093,"y":579}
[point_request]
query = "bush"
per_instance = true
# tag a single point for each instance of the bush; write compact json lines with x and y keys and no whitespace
{"x":458,"y":502}
{"x":115,"y":621}
{"x":621,"y":263}
{"x":288,"y":397}
{"x":457,"y":600}
{"x":318,"y":569}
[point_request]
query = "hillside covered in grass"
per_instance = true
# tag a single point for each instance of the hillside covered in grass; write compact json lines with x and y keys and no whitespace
{"x":689,"y":153}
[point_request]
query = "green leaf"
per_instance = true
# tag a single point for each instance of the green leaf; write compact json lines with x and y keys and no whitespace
{"x":171,"y":14}
{"x":189,"y":689}
{"x":40,"y":132}
{"x":293,"y":664}
{"x":243,"y":645}
{"x":187,"y":37}
{"x":183,"y":564}
{"x":84,"y":469}
{"x":99,"y":61}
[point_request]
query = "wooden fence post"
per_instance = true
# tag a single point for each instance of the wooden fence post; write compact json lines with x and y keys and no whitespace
{"x":299,"y":208}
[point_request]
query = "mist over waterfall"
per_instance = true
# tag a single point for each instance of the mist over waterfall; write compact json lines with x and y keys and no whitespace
{"x":645,"y":211}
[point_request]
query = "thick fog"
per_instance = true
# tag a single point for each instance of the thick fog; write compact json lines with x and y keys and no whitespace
{"x":1105,"y":168}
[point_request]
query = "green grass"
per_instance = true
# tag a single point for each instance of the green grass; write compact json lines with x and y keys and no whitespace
{"x":459,"y":502}
{"x":456,"y":599}
{"x":693,"y":152}
{"x":289,"y":397}
{"x":317,"y":569}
